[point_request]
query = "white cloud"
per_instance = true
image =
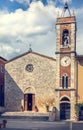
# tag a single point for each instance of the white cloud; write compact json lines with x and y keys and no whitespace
{"x":63,"y":1}
{"x":79,"y":37}
{"x":51,"y":2}
{"x":8,"y":50}
{"x":21,"y":28}
{"x":34,"y":26}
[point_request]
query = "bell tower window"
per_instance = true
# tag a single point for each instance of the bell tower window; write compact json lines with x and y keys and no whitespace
{"x":65,"y":81}
{"x":65,"y":38}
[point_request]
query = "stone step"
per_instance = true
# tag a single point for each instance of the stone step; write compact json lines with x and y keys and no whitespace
{"x":37,"y":116}
{"x":25,"y":113}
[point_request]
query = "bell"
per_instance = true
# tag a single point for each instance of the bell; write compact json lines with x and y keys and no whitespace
{"x":65,"y":6}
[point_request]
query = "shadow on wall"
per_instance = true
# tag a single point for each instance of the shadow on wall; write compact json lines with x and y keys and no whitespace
{"x":13,"y":94}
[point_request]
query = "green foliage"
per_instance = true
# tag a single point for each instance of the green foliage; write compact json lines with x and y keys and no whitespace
{"x":77,"y":108}
{"x":47,"y":107}
{"x":36,"y":107}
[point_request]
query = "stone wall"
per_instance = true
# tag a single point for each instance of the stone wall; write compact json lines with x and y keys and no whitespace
{"x":41,"y":81}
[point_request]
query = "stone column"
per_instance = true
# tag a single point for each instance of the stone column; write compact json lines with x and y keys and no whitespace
{"x":57,"y":106}
{"x":72,"y":105}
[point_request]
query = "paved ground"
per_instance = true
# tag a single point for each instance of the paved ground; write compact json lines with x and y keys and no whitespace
{"x":14,"y":124}
{"x":34,"y":125}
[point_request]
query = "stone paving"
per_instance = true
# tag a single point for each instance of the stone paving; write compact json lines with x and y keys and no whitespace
{"x":15,"y":124}
{"x":39,"y":121}
{"x":21,"y":124}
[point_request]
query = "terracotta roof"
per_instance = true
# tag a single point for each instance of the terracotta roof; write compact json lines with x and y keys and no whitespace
{"x":3,"y":58}
{"x":30,"y":51}
{"x":79,"y":57}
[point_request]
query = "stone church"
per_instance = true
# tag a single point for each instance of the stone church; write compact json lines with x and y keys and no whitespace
{"x":35,"y":80}
{"x":29,"y":82}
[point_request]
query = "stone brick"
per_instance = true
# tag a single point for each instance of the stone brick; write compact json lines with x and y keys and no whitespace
{"x":41,"y":80}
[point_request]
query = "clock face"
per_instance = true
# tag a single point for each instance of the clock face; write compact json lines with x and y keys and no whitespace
{"x":65,"y":61}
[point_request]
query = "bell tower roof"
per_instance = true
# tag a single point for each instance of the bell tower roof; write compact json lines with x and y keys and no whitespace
{"x":66,"y":10}
{"x":66,"y":16}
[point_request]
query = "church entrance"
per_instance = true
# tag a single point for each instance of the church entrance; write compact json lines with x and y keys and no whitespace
{"x":29,"y":102}
{"x":65,"y":109}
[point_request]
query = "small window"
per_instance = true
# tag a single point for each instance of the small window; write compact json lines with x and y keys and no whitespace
{"x":1,"y":69}
{"x":65,"y":81}
{"x":65,"y":38}
{"x":1,"y":95}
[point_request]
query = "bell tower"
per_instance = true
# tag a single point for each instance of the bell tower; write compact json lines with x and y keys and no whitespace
{"x":65,"y":64}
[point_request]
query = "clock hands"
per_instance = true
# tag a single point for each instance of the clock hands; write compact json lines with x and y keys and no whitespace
{"x":65,"y":61}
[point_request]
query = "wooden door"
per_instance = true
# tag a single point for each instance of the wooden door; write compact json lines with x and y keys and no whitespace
{"x":29,"y":102}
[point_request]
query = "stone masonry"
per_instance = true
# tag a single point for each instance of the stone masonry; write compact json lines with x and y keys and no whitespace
{"x":41,"y":81}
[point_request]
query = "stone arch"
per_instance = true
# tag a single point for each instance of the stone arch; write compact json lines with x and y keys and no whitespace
{"x":65,"y":107}
{"x":65,"y":37}
{"x":30,"y":90}
{"x":65,"y":97}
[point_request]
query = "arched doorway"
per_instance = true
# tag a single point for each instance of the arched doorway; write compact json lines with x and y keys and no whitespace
{"x":29,"y":99}
{"x":64,"y":108}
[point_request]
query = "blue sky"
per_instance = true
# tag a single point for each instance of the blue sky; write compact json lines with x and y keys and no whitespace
{"x":24,"y":22}
{"x":12,"y":5}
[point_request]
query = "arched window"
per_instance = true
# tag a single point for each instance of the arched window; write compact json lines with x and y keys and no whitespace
{"x":65,"y":38}
{"x":65,"y":81}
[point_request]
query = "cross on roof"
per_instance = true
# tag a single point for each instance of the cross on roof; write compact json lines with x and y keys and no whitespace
{"x":30,"y":49}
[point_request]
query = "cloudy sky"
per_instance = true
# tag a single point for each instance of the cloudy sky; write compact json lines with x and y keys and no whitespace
{"x":25,"y":22}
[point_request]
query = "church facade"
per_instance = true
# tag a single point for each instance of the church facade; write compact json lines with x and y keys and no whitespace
{"x":34,"y":80}
{"x":29,"y":82}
